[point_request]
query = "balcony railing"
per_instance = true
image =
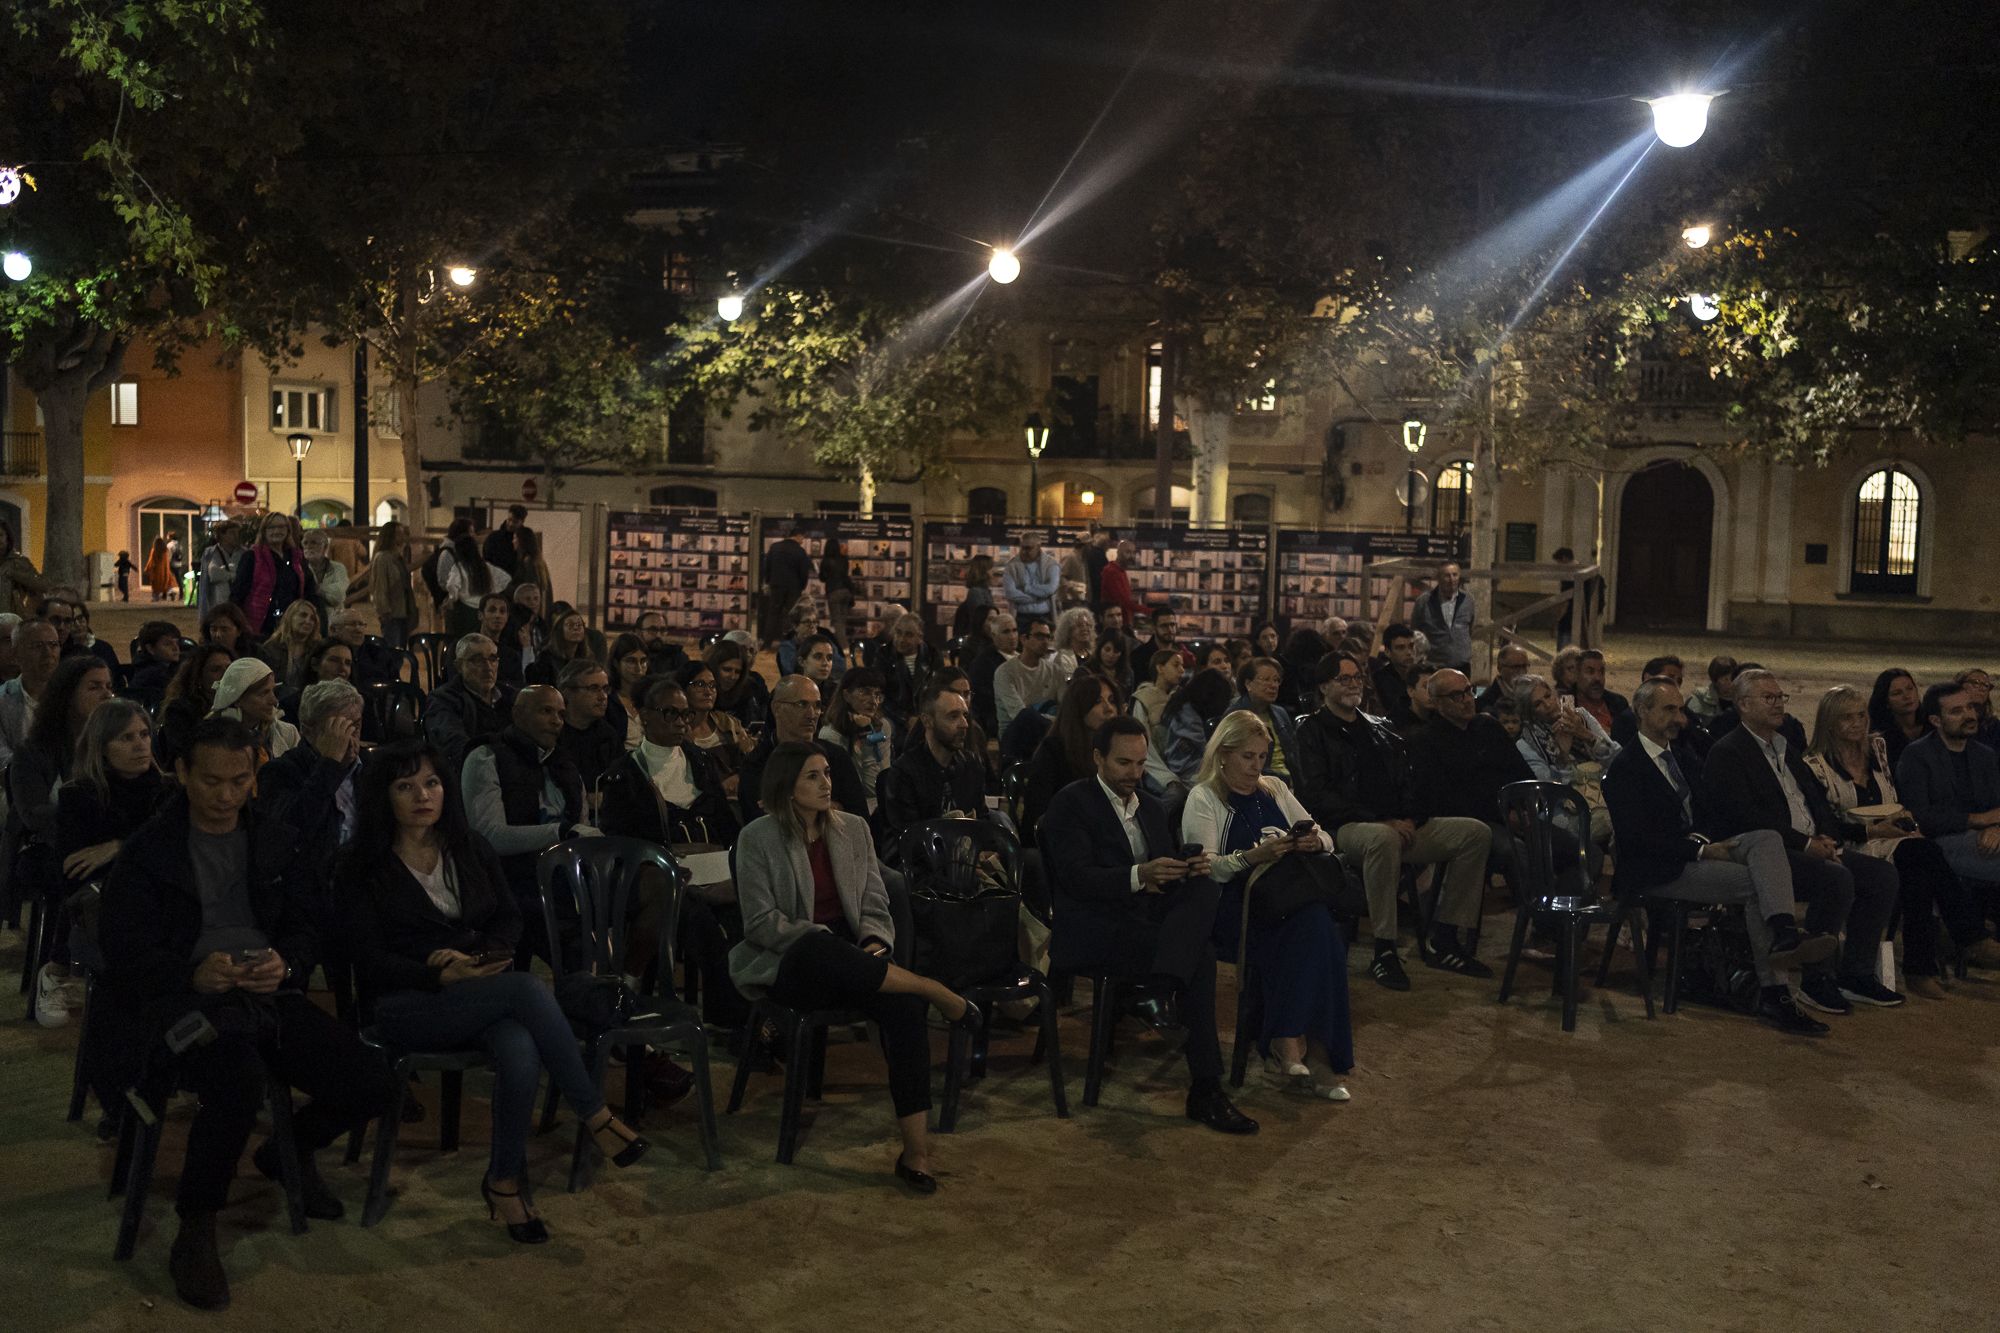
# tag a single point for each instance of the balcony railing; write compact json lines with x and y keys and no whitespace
{"x":20,"y":453}
{"x":1678,"y":383}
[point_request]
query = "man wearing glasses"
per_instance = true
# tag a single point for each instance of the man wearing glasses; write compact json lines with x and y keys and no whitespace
{"x":1024,"y":683}
{"x":1354,"y":777}
{"x":588,"y":741}
{"x":1756,"y":778}
{"x":472,"y":707}
{"x":795,"y":710}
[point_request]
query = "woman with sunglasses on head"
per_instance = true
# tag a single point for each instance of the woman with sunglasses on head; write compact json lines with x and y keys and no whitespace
{"x":435,"y":927}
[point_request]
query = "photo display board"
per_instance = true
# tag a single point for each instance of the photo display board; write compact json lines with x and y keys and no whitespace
{"x":881,"y":559}
{"x":1321,"y":574}
{"x":948,"y":546}
{"x":693,"y":567}
{"x":1214,"y":580}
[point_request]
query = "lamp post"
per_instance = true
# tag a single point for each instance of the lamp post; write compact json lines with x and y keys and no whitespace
{"x":1413,"y":444}
{"x":301,"y":444}
{"x":1038,"y":440}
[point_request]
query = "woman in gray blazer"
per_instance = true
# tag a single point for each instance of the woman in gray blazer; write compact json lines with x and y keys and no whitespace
{"x":817,"y":934}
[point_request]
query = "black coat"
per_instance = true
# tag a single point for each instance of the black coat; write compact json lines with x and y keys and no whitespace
{"x":456,"y":721}
{"x":298,"y":789}
{"x":634,"y":808}
{"x":592,"y":750}
{"x":498,"y":549}
{"x":1328,"y":767}
{"x":1655,"y":836}
{"x":1098,"y":921}
{"x":917,"y":788}
{"x":85,"y":819}
{"x":901,"y":685}
{"x":1743,"y":793}
{"x":1461,"y":772}
{"x":395,"y":927}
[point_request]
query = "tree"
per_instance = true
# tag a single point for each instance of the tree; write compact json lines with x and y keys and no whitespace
{"x":140,"y":112}
{"x":870,"y":391}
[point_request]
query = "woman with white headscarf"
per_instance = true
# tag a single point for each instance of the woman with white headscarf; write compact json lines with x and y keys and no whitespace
{"x":248,"y":692}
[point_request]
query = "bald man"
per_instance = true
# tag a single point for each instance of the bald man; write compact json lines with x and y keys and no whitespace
{"x":795,"y":715}
{"x":524,"y":797}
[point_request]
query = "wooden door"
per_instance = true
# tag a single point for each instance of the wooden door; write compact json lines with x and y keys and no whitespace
{"x":1664,"y":525}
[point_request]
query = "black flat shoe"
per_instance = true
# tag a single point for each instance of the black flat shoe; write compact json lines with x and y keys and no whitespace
{"x":530,"y":1232}
{"x":195,"y":1264}
{"x":616,"y":1133}
{"x":920,"y":1182}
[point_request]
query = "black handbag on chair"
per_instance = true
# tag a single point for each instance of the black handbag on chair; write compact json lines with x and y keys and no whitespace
{"x":965,"y":942}
{"x":1295,"y":883}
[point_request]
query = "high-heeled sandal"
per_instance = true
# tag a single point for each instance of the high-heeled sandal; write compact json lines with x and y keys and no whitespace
{"x":531,"y":1232}
{"x":634,"y":1147}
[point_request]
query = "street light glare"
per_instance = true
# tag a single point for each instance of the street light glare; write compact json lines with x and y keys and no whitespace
{"x":1702,"y":305}
{"x":729,"y":307}
{"x":1679,"y":120}
{"x":1004,"y":266}
{"x":1696,"y":237}
{"x":461,"y":275}
{"x":17,"y":265}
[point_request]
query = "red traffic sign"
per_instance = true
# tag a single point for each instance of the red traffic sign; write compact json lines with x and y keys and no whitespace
{"x":528,"y":489}
{"x":246,"y":492}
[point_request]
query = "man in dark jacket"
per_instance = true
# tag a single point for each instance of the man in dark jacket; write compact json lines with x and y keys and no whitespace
{"x":591,"y":744}
{"x":1653,"y":791}
{"x":936,"y":779}
{"x":310,"y":789}
{"x":1754,"y":778}
{"x":499,"y":547}
{"x":1353,"y":774}
{"x":1001,"y":629}
{"x":199,"y":921}
{"x":663,"y":657}
{"x":159,"y":656}
{"x":905,"y":662}
{"x":787,"y":570}
{"x":795,"y":710}
{"x":524,"y":797}
{"x":472,"y":707}
{"x":1394,"y":670}
{"x":373,"y":660}
{"x":1951,"y":783}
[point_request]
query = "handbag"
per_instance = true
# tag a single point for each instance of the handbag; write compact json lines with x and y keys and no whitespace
{"x":1283,"y":888}
{"x":966,"y":942}
{"x":595,"y":1004}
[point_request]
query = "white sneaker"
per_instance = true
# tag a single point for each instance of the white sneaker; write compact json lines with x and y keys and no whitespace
{"x":51,"y":999}
{"x":1288,"y":1073}
{"x":1331,"y":1090}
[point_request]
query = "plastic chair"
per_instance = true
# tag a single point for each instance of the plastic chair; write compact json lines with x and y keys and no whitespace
{"x":1530,"y":810}
{"x":395,"y":707}
{"x":598,"y":875}
{"x":432,"y":650}
{"x":450,"y":1066}
{"x":945,"y":853}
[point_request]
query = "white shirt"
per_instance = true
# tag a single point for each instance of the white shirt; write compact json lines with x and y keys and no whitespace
{"x":1128,"y":817}
{"x":1774,"y":751}
{"x":440,"y":886}
{"x":668,"y":767}
{"x":1018,"y":686}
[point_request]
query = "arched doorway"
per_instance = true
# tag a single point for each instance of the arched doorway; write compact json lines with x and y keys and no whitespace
{"x":1664,"y":531}
{"x":167,"y":516}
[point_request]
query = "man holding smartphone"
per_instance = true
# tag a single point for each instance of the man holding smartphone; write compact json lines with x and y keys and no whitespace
{"x":199,"y":917}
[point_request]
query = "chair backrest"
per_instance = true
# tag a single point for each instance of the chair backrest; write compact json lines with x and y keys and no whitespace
{"x":600,"y":875}
{"x":1531,"y":811}
{"x":397,"y":708}
{"x":1176,"y":802}
{"x":944,"y":855}
{"x":1014,"y":792}
{"x":430,"y":649}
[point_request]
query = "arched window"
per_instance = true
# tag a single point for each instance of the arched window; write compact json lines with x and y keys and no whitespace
{"x":986,"y":502}
{"x":1888,"y":510}
{"x":1451,"y":498}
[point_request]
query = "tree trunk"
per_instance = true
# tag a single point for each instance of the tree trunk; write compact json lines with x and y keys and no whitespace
{"x":414,"y":493}
{"x":1210,"y":431}
{"x":62,"y":380}
{"x":1485,"y":509}
{"x":867,"y":491}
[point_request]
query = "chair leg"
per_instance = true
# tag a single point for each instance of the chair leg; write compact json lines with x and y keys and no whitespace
{"x":746,"y":1041}
{"x":130,"y":1123}
{"x":1521,"y":919}
{"x":1049,"y":1045}
{"x":1103,"y":1018}
{"x":705,"y":1103}
{"x":797,"y":1054}
{"x":1611,"y":947}
{"x":355,"y":1138}
{"x":1641,"y":947}
{"x":1246,"y":1012}
{"x":1676,"y":930}
{"x":1417,"y":911}
{"x":956,"y":1057}
{"x":290,"y":1173}
{"x":583,"y":1154}
{"x":451,"y":1095}
{"x":1572,"y":945}
{"x":816,"y":1063}
{"x":77,"y":1086}
{"x":138,"y":1179}
{"x":386,"y":1131}
{"x":549,"y":1109}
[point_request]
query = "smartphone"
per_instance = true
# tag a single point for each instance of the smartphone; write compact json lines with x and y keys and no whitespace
{"x":1190,"y":850}
{"x":492,"y":956}
{"x":1302,"y":829}
{"x":251,"y":957}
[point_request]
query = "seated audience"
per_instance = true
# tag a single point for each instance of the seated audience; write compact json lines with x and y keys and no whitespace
{"x":968,"y":621}
{"x":824,"y":938}
{"x":1979,"y":688}
{"x":667,"y":656}
{"x":1028,"y":682}
{"x":666,"y":791}
{"x":1305,"y":649}
{"x":37,"y":650}
{"x":1107,"y":662}
{"x":804,"y":624}
{"x":1221,"y":657}
{"x":739,"y":690}
{"x":1354,"y":777}
{"x":1707,"y":703}
{"x":225,"y":624}
{"x":1064,"y":755}
{"x":1601,"y":705}
{"x":197,"y":918}
{"x":1895,"y":712}
{"x":1509,"y":665}
{"x":795,"y":714}
{"x":568,"y":642}
{"x":248,"y":693}
{"x":1165,"y":625}
{"x":1755,"y":778}
{"x":186,"y":701}
{"x":1190,"y":715}
{"x":1563,"y":670}
{"x":114,"y":788}
{"x":1655,"y":793}
{"x":473,"y":706}
{"x":1074,"y":637}
{"x":1951,"y":783}
{"x":985,"y":669}
{"x":45,"y":757}
{"x":1259,"y":680}
{"x":435,"y":928}
{"x":523,"y":797}
{"x":1852,"y":766}
{"x":1128,"y":905}
{"x":719,"y":735}
{"x":514,"y":631}
{"x":330,"y":659}
{"x":1394,"y":671}
{"x":1149,"y":705}
{"x":854,"y":722}
{"x":1247,"y":826}
{"x":374,"y":660}
{"x":1558,"y":738}
{"x":589,"y":740}
{"x":630,"y":663}
{"x":938,"y":776}
{"x":904,"y":662}
{"x":158,"y":657}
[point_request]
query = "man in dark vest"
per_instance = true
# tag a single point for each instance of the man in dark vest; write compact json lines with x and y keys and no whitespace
{"x":523,"y":797}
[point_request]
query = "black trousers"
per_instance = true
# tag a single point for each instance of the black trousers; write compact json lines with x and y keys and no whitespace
{"x":1857,"y":894}
{"x":1928,"y":882}
{"x":827,"y":971}
{"x":306,"y":1048}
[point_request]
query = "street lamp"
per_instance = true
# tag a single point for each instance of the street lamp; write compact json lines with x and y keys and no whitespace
{"x":729,"y":307}
{"x":462,"y":275}
{"x":1004,"y":266}
{"x":1680,"y":119}
{"x":1696,"y":236}
{"x":1414,"y":433}
{"x":301,"y":444}
{"x":1038,"y":440}
{"x":1089,"y":498}
{"x":17,"y":265}
{"x":1702,"y":305}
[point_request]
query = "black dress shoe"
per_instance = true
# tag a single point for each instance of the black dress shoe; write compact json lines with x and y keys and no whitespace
{"x":920,"y":1182}
{"x":1779,"y":1012}
{"x":320,"y":1202}
{"x":196,"y":1265}
{"x":1792,"y":947}
{"x":1214,"y":1109}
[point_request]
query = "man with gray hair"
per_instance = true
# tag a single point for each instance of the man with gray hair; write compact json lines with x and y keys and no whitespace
{"x":37,"y":650}
{"x":373,"y":662}
{"x":524,"y":797}
{"x":471,"y":708}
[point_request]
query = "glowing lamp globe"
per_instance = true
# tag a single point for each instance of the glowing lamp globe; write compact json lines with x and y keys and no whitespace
{"x":1004,"y":266}
{"x":1696,"y":236}
{"x":1679,"y":120}
{"x":1703,"y":306}
{"x":16,"y":265}
{"x":729,"y":307}
{"x":461,"y":275}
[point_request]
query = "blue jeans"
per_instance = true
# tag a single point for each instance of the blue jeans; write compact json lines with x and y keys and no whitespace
{"x":516,"y":1019}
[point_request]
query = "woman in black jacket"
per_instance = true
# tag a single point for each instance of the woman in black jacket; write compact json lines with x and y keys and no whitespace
{"x":187,"y":701}
{"x":115,"y":787}
{"x":1063,"y":757}
{"x":434,"y":935}
{"x":42,"y":764}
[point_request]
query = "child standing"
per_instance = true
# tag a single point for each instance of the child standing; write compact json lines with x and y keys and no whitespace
{"x":125,"y":568}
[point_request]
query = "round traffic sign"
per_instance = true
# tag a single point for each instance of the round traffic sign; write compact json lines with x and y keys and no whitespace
{"x":246,"y":492}
{"x":529,"y":489}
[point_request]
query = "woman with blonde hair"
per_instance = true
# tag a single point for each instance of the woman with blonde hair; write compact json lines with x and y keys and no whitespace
{"x":1852,"y":763}
{"x":1262,"y":843}
{"x":289,"y":646}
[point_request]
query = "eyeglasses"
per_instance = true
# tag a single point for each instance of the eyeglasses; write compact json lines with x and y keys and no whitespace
{"x":673,"y":714}
{"x":1773,"y":698}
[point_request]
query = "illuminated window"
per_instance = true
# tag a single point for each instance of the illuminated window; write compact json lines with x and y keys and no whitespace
{"x":125,"y":403}
{"x":1887,"y":510}
{"x":303,"y":407}
{"x":1266,"y":401}
{"x":1451,"y":498}
{"x":1156,"y":356}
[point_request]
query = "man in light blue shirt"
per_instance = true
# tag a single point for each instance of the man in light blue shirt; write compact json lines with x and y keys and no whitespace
{"x":1031,"y":578}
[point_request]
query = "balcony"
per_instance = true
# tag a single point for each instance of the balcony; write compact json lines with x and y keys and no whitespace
{"x":1679,"y":384}
{"x":21,"y":453}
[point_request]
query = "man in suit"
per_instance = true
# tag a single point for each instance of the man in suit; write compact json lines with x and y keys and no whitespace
{"x":1444,"y":616}
{"x":1755,"y":778}
{"x":1625,"y":727}
{"x":1652,"y":791}
{"x":1127,"y":905}
{"x":1951,"y":783}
